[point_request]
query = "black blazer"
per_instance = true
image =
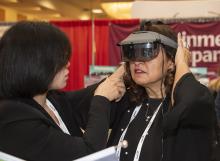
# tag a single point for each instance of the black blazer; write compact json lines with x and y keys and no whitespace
{"x":28,"y":132}
{"x":187,"y":127}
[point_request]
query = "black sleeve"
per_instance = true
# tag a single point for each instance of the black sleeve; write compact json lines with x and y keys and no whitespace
{"x":77,"y":97}
{"x":193,"y":104}
{"x":118,"y":109}
{"x":217,"y":106}
{"x":33,"y":138}
{"x":80,"y":102}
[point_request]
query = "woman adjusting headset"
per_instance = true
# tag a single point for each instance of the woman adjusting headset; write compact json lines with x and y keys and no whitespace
{"x":166,"y":114}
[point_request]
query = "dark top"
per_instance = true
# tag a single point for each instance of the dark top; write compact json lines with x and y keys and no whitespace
{"x":136,"y":129}
{"x":28,"y":132}
{"x":186,"y":127}
{"x":217,"y":106}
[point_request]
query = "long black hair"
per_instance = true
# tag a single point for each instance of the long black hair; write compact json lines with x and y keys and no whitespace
{"x":31,"y":53}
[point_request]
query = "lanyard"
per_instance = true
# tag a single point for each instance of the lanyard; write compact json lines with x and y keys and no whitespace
{"x":61,"y":123}
{"x":145,"y":133}
{"x":134,"y":114}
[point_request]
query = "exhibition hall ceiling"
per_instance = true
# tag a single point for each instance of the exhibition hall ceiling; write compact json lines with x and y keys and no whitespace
{"x":105,"y":9}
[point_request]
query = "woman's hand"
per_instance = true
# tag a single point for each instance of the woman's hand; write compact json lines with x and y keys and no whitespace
{"x":183,"y":56}
{"x":113,"y":87}
{"x":182,"y":60}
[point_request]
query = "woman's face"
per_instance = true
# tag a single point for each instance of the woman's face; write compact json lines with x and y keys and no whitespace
{"x":149,"y":74}
{"x":60,"y":78}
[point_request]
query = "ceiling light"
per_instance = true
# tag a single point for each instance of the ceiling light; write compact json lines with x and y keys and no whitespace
{"x":47,"y":4}
{"x":97,"y":11}
{"x":57,"y":15}
{"x":35,"y":8}
{"x":84,"y":17}
{"x":117,"y":9}
{"x":11,"y":1}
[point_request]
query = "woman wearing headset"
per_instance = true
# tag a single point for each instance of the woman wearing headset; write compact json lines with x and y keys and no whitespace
{"x":165,"y":114}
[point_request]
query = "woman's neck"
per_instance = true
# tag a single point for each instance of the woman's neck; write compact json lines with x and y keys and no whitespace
{"x":156,"y":92}
{"x":41,"y":99}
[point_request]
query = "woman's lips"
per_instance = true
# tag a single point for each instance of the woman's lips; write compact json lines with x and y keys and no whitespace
{"x":139,"y":71}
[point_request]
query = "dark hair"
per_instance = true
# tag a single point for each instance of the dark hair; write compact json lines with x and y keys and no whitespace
{"x":31,"y":53}
{"x":138,"y":93}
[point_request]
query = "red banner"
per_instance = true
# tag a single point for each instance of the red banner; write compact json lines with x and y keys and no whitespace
{"x":119,"y":30}
{"x":204,"y":40}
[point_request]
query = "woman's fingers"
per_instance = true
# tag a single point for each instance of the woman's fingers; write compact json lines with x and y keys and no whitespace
{"x":119,"y":73}
{"x":180,"y":42}
{"x":112,"y":88}
{"x":121,"y":90}
{"x":183,"y":54}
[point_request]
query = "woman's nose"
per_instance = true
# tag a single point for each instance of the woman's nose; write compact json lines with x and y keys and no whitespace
{"x":68,"y":64}
{"x":137,"y":62}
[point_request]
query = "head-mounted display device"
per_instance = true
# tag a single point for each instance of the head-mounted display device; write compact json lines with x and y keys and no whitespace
{"x":144,"y":45}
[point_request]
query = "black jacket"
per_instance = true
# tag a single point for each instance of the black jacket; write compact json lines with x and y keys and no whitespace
{"x":28,"y":132}
{"x":186,"y":127}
